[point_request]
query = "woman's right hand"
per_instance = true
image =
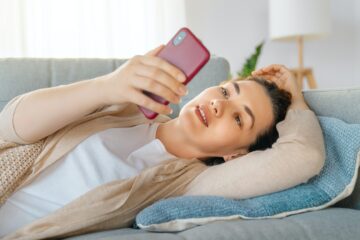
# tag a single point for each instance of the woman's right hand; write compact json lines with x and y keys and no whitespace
{"x":145,"y":72}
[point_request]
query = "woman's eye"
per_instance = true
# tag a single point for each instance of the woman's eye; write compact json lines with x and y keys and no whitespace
{"x":238,"y":120}
{"x":224,"y":92}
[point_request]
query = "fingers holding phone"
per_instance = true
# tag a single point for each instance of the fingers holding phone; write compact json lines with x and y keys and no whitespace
{"x":145,"y":73}
{"x":185,"y":52}
{"x":162,"y":71}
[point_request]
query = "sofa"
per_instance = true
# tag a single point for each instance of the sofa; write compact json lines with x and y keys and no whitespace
{"x":340,"y":221}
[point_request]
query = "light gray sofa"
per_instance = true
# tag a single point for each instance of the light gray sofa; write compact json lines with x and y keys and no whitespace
{"x":341,"y":221}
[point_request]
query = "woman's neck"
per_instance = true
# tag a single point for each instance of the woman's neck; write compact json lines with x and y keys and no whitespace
{"x":172,"y":136}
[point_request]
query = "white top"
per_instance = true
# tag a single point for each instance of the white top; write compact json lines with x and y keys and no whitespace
{"x":112,"y":154}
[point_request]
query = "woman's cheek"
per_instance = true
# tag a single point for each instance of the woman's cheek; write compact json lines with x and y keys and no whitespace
{"x":225,"y":136}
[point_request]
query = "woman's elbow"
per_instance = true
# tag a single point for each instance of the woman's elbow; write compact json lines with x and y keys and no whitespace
{"x":319,"y":158}
{"x":316,"y":160}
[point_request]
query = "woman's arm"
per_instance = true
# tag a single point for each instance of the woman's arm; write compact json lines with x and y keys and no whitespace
{"x":37,"y":114}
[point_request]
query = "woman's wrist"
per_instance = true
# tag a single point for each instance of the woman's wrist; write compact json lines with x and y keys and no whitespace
{"x":298,"y":102}
{"x":101,"y":90}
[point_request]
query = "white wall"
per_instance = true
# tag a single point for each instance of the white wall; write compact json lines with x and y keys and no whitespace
{"x":232,"y":28}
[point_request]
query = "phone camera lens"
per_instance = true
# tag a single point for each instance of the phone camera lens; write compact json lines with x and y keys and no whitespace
{"x":179,"y":38}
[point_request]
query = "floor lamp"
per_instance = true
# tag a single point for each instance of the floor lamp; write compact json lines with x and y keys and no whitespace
{"x":299,"y":20}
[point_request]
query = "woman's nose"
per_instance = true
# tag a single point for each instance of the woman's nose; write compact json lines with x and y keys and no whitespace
{"x":217,"y":106}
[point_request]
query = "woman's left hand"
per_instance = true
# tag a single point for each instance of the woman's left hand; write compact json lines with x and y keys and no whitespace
{"x":284,"y":79}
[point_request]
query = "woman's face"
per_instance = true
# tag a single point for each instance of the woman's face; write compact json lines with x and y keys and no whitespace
{"x":236,"y":113}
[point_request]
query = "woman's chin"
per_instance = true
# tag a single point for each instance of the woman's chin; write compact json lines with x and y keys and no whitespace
{"x":189,"y":120}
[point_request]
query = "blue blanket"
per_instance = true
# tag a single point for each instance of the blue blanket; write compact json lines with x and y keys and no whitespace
{"x":335,"y":182}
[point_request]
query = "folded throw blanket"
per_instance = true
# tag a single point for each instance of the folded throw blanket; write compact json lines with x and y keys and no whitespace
{"x":335,"y":182}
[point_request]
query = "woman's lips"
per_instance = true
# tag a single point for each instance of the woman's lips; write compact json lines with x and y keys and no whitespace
{"x":206,"y":113}
{"x":197,"y":112}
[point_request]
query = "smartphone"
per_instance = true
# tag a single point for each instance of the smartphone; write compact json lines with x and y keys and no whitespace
{"x":187,"y":53}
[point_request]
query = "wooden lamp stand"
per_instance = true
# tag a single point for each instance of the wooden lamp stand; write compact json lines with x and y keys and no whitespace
{"x":302,"y":72}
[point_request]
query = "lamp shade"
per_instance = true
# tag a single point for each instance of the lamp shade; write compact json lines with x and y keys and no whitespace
{"x":293,"y":18}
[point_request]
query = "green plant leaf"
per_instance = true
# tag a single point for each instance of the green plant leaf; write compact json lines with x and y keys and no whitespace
{"x":250,"y":63}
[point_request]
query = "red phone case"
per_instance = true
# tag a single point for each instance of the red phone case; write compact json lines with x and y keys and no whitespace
{"x":189,"y":56}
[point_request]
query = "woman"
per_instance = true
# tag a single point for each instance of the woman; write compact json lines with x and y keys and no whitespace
{"x":236,"y":115}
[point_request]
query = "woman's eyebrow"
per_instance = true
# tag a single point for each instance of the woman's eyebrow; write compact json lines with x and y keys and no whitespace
{"x":251,"y":115}
{"x":247,"y":109}
{"x":236,"y":86}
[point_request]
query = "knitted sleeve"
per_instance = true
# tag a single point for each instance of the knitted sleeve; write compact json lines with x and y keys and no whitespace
{"x":294,"y":158}
{"x":15,"y":163}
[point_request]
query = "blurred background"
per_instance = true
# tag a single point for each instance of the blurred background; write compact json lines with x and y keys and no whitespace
{"x":229,"y":28}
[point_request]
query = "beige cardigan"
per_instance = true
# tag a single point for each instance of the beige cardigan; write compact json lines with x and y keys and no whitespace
{"x":297,"y":156}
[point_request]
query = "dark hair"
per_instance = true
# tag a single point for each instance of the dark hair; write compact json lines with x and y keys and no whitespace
{"x":281,"y":101}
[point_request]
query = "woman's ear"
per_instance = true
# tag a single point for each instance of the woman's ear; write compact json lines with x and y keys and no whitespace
{"x":239,"y":153}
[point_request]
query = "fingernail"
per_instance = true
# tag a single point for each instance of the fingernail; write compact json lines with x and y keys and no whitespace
{"x":181,"y":78}
{"x":183,"y":90}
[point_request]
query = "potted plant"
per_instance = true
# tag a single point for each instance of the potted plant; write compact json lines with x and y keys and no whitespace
{"x":249,"y":65}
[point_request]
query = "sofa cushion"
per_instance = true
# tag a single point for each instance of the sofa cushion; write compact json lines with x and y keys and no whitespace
{"x":329,"y":224}
{"x":336,"y":181}
{"x":342,"y":103}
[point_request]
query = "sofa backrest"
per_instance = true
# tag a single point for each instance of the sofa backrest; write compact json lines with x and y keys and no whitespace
{"x":339,"y":103}
{"x":21,"y":75}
